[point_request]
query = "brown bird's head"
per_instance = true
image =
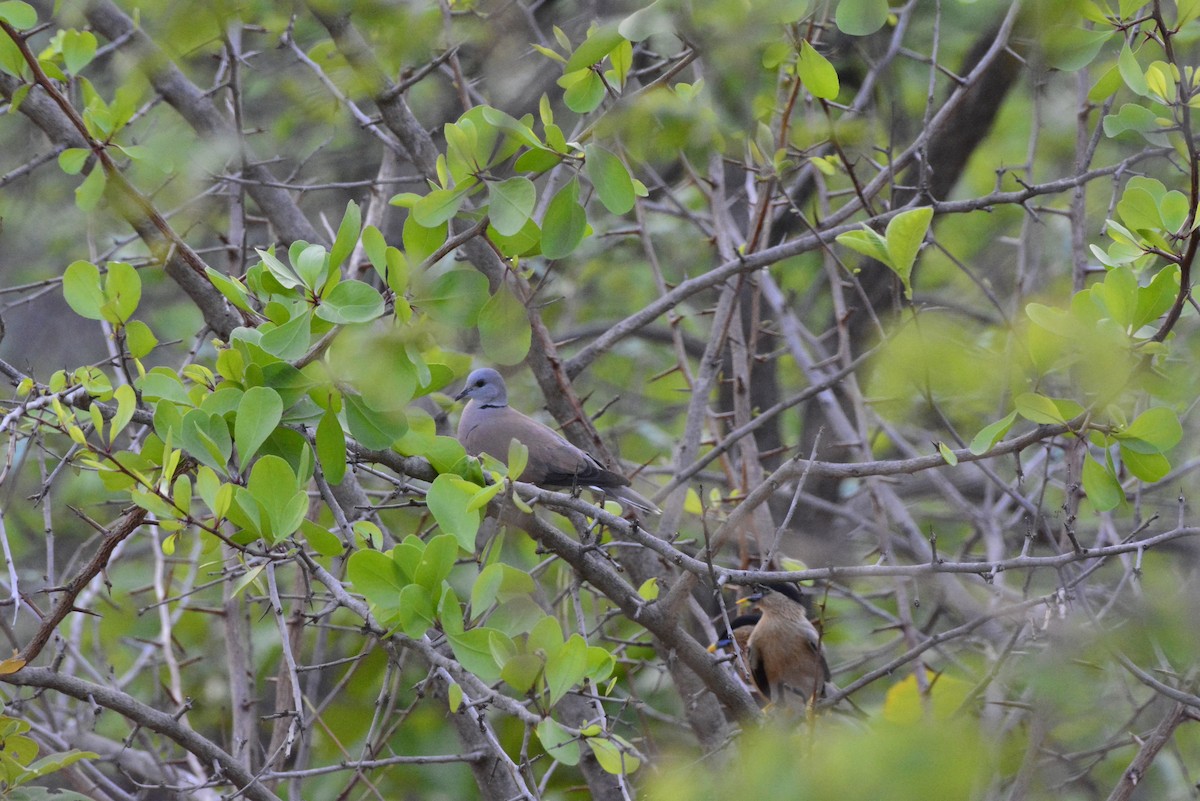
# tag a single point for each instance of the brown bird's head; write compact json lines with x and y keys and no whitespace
{"x":777,"y":596}
{"x":739,"y":629}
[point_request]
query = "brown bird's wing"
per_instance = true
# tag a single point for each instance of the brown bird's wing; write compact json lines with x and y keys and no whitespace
{"x":758,"y":672}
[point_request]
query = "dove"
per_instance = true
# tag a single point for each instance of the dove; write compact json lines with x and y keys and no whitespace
{"x":488,"y":424}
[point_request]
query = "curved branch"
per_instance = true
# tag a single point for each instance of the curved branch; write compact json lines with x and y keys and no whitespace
{"x":115,"y":535}
{"x":149,"y":718}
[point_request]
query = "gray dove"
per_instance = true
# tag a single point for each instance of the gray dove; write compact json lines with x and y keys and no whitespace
{"x":488,"y":424}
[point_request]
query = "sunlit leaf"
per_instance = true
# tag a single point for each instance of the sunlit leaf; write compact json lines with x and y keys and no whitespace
{"x":861,"y":17}
{"x":816,"y":73}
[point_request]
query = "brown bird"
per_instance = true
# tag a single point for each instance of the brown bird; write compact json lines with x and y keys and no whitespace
{"x":784,"y":648}
{"x":488,"y":425}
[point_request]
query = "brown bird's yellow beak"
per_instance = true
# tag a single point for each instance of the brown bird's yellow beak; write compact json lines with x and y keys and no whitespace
{"x":749,"y":599}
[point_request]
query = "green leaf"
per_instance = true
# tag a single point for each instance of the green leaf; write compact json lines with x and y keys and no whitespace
{"x":206,"y":437}
{"x":1105,"y":86}
{"x":52,"y":763}
{"x":559,"y":743}
{"x":437,"y":560}
{"x":1117,"y":295}
{"x":278,"y":493}
{"x":331,"y":448}
{"x":312,"y":265}
{"x":1186,"y":11}
{"x":455,"y":298}
{"x":473,"y":650}
{"x":521,"y":671}
{"x":1160,"y":82}
{"x":78,"y":49}
{"x":290,"y":340}
{"x":518,"y":130}
{"x":373,"y":429}
{"x":817,"y":74}
{"x":987,"y":438}
{"x":537,"y":161}
{"x":645,"y":22}
{"x":611,"y":758}
{"x":122,"y":292}
{"x":1157,"y":297}
{"x":565,"y":222}
{"x":437,"y":207}
{"x":484,"y":496}
{"x":1038,"y":409}
{"x":1132,"y":117}
{"x":868,"y":243}
{"x":526,"y":242}
{"x":233,"y":290}
{"x":417,"y":614}
{"x":947,"y":454}
{"x":649,"y":589}
{"x":207,"y":485}
{"x":278,"y":270}
{"x":375,"y":246}
{"x":126,"y":405}
{"x":72,"y":159}
{"x":545,"y":636}
{"x":347,"y":235}
{"x":504,"y":329}
{"x":81,"y":288}
{"x":486,"y":586}
{"x":421,"y":242}
{"x":152,"y":503}
{"x":1155,"y":430}
{"x":621,"y":59}
{"x":1138,"y":209}
{"x":1173,"y":208}
{"x":1131,"y":72}
{"x":608,"y":174}
{"x":17,"y":14}
{"x":351,"y":302}
{"x":518,"y":458}
{"x":548,"y":53}
{"x":904,"y":235}
{"x":1070,"y":48}
{"x":160,"y":384}
{"x":861,"y":17}
{"x":181,"y":496}
{"x":599,"y":44}
{"x":139,"y":339}
{"x":584,"y":91}
{"x":321,"y":539}
{"x":448,"y":499}
{"x":454,"y":697}
{"x":1146,"y":466}
{"x":88,"y":193}
{"x":565,"y":667}
{"x":600,"y":663}
{"x":378,"y":578}
{"x":258,"y":412}
{"x":510,"y":202}
{"x":1101,"y":486}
